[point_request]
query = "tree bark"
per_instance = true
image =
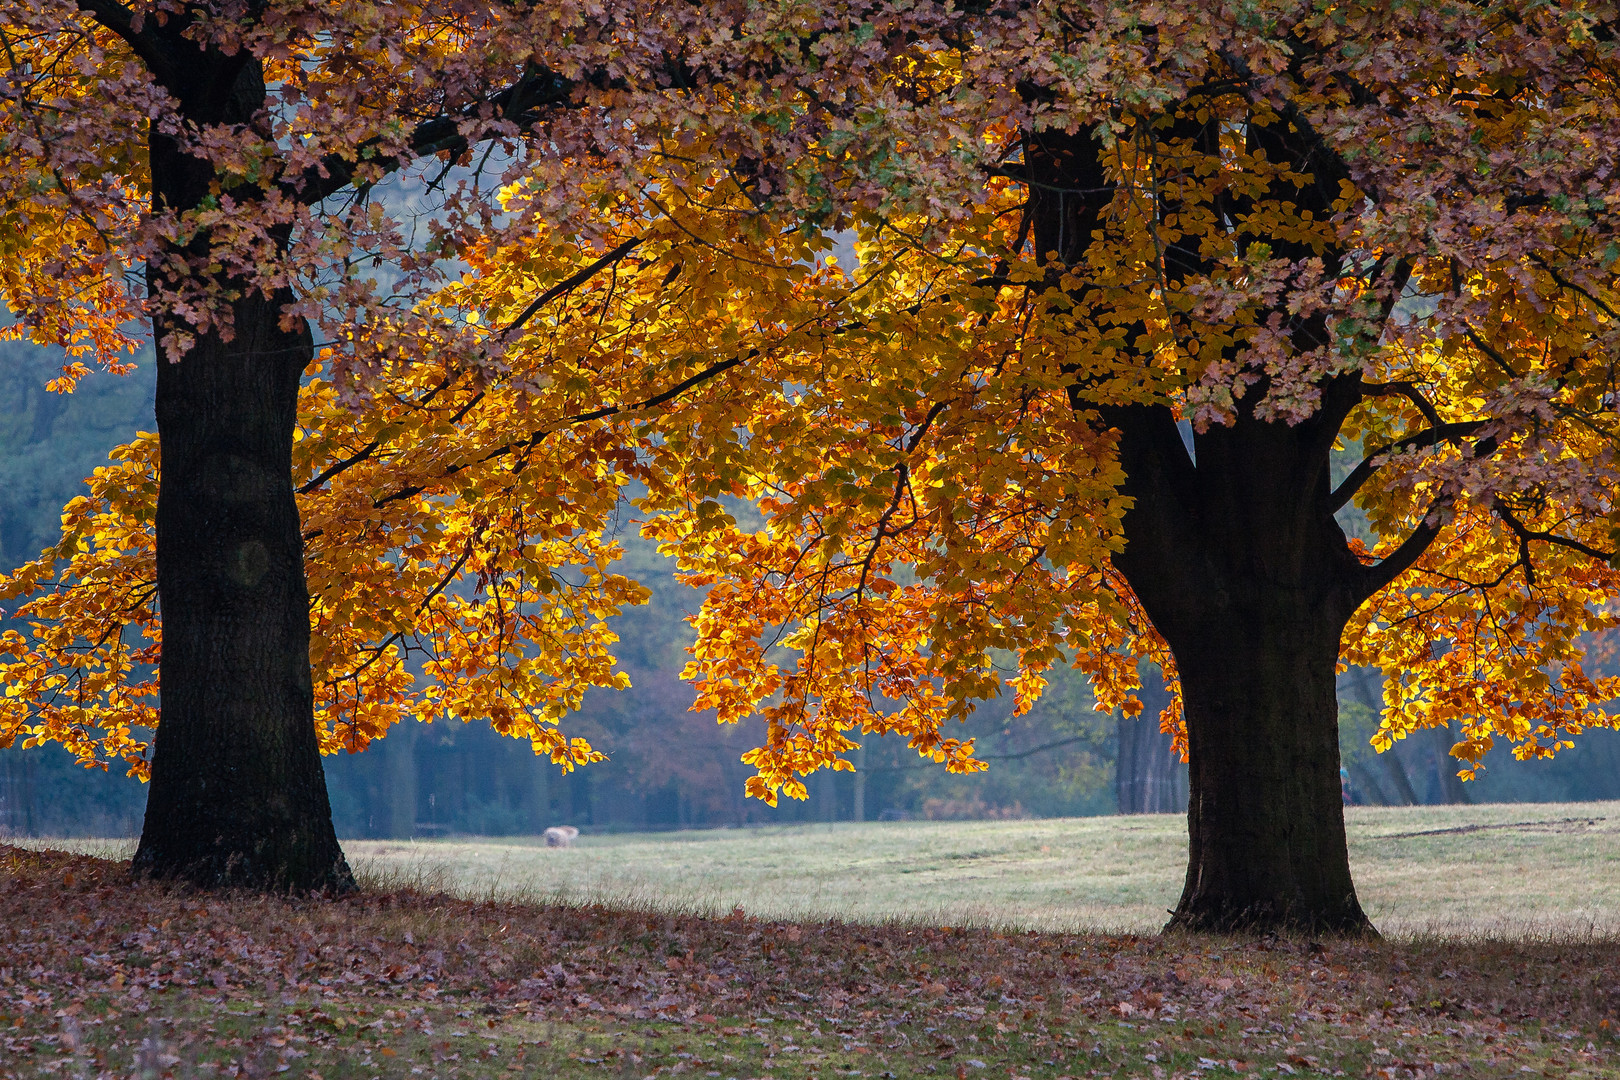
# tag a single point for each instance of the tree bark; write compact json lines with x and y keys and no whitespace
{"x":1251,"y":583}
{"x":238,"y":796}
{"x":1265,"y":820}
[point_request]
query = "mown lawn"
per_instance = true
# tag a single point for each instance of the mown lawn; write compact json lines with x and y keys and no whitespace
{"x":1505,"y":870}
{"x":103,"y":977}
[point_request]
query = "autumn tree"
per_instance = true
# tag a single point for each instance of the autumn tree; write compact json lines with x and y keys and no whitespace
{"x":1126,"y":275}
{"x":1090,"y":407}
{"x":405,"y":266}
{"x":211,"y":171}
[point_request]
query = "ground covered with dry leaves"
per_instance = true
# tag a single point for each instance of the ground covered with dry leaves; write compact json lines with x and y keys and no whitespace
{"x":102,"y":977}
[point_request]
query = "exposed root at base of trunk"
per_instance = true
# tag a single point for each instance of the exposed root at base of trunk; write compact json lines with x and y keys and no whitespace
{"x":1269,"y":920}
{"x":251,"y":872}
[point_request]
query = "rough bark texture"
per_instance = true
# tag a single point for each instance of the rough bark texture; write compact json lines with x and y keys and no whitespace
{"x":1251,"y":585}
{"x":238,"y":796}
{"x":1265,"y":819}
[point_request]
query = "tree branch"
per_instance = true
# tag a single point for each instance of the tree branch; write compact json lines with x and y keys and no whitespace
{"x":1527,"y":534}
{"x":573,"y":282}
{"x":1374,"y":461}
{"x":1400,"y":560}
{"x":1408,"y":390}
{"x":987,"y":757}
{"x":538,"y":88}
{"x":155,"y":52}
{"x":579,"y":418}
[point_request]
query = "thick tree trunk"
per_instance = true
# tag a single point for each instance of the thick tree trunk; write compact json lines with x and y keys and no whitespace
{"x":1232,"y":548}
{"x":1251,"y":585}
{"x":238,"y":796}
{"x":1265,"y":818}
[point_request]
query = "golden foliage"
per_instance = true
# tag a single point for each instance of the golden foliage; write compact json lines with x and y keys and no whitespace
{"x":893,"y":477}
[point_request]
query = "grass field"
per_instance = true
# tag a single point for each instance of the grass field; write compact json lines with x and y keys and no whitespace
{"x":104,"y":977}
{"x":1497,"y":870}
{"x":896,"y":950}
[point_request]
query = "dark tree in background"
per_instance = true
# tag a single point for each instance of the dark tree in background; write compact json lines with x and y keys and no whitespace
{"x":1149,"y":776}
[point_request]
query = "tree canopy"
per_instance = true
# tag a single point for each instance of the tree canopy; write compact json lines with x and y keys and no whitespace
{"x":1126,"y":274}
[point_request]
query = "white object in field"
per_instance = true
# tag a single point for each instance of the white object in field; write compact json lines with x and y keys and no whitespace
{"x":561,"y":836}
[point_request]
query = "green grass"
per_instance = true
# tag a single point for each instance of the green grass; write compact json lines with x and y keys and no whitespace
{"x":1498,"y":870}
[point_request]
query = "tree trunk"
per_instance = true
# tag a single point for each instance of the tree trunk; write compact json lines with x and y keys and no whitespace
{"x":1251,"y":586}
{"x":1231,"y":545}
{"x":1250,"y":582}
{"x":1265,"y":818}
{"x":238,"y":796}
{"x":18,"y":770}
{"x":399,"y":758}
{"x":1148,"y":777}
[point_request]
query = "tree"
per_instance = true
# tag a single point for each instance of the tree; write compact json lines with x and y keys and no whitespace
{"x":232,"y":152}
{"x":1288,"y":229}
{"x":314,"y":209}
{"x":1088,"y":234}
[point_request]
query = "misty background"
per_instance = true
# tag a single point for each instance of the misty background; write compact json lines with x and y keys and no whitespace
{"x":670,"y":768}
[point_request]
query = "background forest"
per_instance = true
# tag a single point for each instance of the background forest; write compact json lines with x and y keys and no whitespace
{"x":668,"y":767}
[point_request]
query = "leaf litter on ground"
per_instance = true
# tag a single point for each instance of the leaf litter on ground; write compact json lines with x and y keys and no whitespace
{"x":103,"y":976}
